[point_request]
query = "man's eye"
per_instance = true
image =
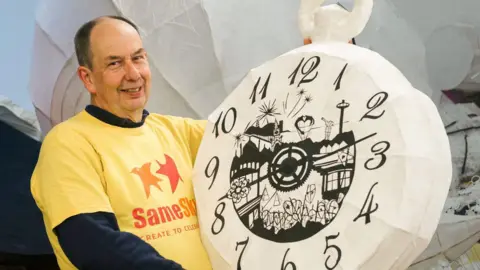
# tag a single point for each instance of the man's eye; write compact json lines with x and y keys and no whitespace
{"x":113,"y":63}
{"x":140,"y":57}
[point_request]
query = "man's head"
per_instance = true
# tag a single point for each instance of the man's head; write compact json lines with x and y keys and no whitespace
{"x":113,"y":65}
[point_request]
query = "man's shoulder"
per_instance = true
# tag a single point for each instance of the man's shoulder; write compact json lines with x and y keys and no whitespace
{"x":65,"y":132}
{"x":170,"y":120}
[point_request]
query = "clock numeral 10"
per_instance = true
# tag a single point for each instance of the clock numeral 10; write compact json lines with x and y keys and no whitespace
{"x":263,"y":91}
{"x":223,"y":119}
{"x":338,"y":251}
{"x":314,"y":61}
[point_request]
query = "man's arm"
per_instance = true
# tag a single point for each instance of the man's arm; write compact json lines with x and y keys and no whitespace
{"x":93,"y":241}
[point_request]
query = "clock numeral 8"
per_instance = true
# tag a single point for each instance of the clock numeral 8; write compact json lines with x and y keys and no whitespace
{"x":378,"y":149}
{"x":219,"y":217}
{"x":221,"y":119}
{"x":337,"y":250}
{"x":373,"y":103}
{"x":285,"y":265}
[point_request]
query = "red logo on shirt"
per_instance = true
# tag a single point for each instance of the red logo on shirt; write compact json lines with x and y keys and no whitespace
{"x":169,"y":169}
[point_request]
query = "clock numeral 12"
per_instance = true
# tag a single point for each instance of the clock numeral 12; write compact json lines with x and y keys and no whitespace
{"x":218,"y":217}
{"x":366,"y":213}
{"x":263,"y":91}
{"x":315,"y":61}
{"x":339,"y":78}
{"x":373,"y":103}
{"x":285,"y":265}
{"x":337,"y":250}
{"x":214,"y":171}
{"x":221,"y":119}
{"x":244,"y":244}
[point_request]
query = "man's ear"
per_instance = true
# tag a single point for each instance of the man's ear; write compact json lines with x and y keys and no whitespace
{"x":86,"y":76}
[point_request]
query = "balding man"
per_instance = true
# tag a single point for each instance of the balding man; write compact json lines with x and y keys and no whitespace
{"x":114,"y":182}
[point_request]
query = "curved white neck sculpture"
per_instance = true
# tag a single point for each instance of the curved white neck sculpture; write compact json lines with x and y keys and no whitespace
{"x":332,"y":22}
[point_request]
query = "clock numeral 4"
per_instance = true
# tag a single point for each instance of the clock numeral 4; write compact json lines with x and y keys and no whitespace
{"x":263,"y":91}
{"x":373,"y":103}
{"x":366,"y":213}
{"x":338,"y":251}
{"x":213,"y":172}
{"x":244,"y":244}
{"x":286,"y":265}
{"x":225,"y":127}
{"x":219,"y":218}
{"x":378,"y":149}
{"x":311,"y":63}
{"x":338,"y":81}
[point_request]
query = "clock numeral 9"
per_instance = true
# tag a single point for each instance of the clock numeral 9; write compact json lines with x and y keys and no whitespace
{"x":263,"y":91}
{"x":219,"y":218}
{"x":244,"y":244}
{"x":378,"y":149}
{"x":285,"y":265}
{"x":314,"y":62}
{"x":337,"y":250}
{"x":373,"y":103}
{"x":223,"y":121}
{"x":214,"y":171}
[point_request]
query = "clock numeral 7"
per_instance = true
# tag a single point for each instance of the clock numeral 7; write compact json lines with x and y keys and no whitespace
{"x":314,"y":62}
{"x":223,"y":119}
{"x":334,"y":247}
{"x":373,"y":103}
{"x":214,"y":171}
{"x":219,"y":218}
{"x":378,"y":149}
{"x":244,"y":244}
{"x":262,"y":91}
{"x":285,"y":265}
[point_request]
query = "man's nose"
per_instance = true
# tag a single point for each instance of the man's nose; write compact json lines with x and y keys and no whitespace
{"x":131,"y":72}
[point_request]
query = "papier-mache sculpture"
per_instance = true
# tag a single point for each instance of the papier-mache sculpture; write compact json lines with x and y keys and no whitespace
{"x":325,"y":157}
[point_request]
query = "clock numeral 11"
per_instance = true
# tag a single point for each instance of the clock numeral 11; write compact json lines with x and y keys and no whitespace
{"x":263,"y":91}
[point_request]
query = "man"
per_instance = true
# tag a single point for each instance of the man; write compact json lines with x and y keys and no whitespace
{"x":114,"y":182}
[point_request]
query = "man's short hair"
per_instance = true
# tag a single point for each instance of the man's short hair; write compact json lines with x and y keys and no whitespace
{"x":82,"y":39}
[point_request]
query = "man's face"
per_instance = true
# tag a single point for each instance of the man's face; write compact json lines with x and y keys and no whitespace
{"x":120,"y":76}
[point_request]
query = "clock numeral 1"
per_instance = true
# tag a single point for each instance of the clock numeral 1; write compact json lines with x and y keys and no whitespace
{"x":366,"y":213}
{"x":339,"y":78}
{"x":338,"y":252}
{"x":244,"y":244}
{"x":285,"y":265}
{"x":263,"y":91}
{"x":214,"y":171}
{"x":314,"y":62}
{"x":373,"y":103}
{"x":378,"y":149}
{"x":219,"y":218}
{"x":223,"y":121}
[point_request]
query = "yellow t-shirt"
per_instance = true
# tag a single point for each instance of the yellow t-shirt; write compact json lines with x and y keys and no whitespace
{"x":142,"y":175}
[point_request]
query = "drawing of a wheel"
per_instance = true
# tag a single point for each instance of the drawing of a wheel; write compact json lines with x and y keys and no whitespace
{"x":289,"y":168}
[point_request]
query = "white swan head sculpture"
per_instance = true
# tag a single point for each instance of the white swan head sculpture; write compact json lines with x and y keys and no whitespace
{"x":332,"y":22}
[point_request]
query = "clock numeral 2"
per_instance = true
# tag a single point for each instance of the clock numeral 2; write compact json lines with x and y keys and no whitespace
{"x":219,"y":218}
{"x":378,"y":149}
{"x":338,"y":81}
{"x":244,"y":244}
{"x":366,"y":213}
{"x":214,"y":171}
{"x":315,"y":61}
{"x":221,"y":119}
{"x":263,"y":91}
{"x":338,"y":252}
{"x":373,"y":103}
{"x":285,"y":265}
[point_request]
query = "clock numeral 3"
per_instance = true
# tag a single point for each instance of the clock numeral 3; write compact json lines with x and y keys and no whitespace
{"x":338,"y":252}
{"x":223,"y":120}
{"x":244,"y":244}
{"x":219,"y":217}
{"x":314,"y":62}
{"x":338,"y":81}
{"x":373,"y":103}
{"x":366,"y":213}
{"x":285,"y":265}
{"x":263,"y":91}
{"x":378,"y":149}
{"x":214,"y":171}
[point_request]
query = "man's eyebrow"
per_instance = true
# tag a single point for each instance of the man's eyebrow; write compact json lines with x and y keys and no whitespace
{"x":112,"y":57}
{"x":139,"y":51}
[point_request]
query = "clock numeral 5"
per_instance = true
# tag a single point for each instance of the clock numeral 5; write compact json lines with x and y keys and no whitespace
{"x":285,"y":265}
{"x":314,"y":62}
{"x":219,"y":218}
{"x":334,"y":247}
{"x":244,"y":244}
{"x":213,"y":174}
{"x":378,"y":149}
{"x":222,"y":118}
{"x":263,"y":91}
{"x":373,"y":103}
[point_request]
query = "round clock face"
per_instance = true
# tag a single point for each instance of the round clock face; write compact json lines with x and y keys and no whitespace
{"x":316,"y":155}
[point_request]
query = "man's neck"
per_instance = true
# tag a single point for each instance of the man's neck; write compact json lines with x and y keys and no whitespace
{"x":134,"y":116}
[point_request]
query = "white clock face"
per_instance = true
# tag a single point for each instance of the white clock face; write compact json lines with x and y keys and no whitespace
{"x":311,"y":157}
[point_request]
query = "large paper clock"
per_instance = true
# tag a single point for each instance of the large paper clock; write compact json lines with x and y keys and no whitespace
{"x":323,"y":158}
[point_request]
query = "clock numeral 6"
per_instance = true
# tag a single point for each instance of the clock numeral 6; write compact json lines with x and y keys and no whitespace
{"x":378,"y":149}
{"x":219,"y":218}
{"x":314,"y":62}
{"x":213,"y":174}
{"x":244,"y":244}
{"x":285,"y":265}
{"x":223,"y":119}
{"x":334,"y":247}
{"x":373,"y":103}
